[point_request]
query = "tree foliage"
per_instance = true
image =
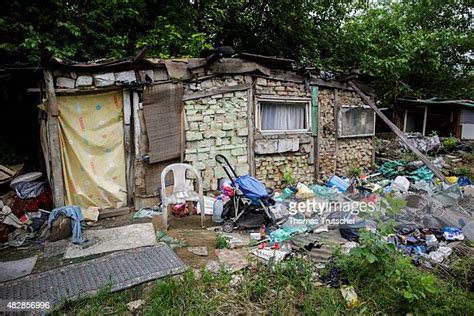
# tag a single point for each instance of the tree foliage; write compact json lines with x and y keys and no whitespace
{"x":421,"y":48}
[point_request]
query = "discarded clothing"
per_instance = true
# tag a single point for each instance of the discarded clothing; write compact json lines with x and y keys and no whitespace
{"x":18,"y":237}
{"x":77,"y":221}
{"x":7,"y":217}
{"x":439,"y":255}
{"x":422,"y":173}
{"x":351,"y":234}
{"x":391,"y":169}
{"x":452,"y":233}
{"x":146,"y":212}
{"x":29,"y":190}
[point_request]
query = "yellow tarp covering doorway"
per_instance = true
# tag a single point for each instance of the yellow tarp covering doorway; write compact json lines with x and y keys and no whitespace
{"x":92,"y":149}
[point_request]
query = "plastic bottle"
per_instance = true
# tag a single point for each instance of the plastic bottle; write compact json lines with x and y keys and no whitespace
{"x":217,"y":210}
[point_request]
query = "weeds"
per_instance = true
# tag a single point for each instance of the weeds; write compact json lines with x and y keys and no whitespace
{"x":103,"y":303}
{"x":450,"y":142}
{"x":468,"y":158}
{"x":386,"y":282}
{"x":408,"y":156}
{"x":289,"y":177}
{"x":463,"y":171}
{"x":355,"y":171}
{"x":401,"y":288}
{"x":222,"y":241}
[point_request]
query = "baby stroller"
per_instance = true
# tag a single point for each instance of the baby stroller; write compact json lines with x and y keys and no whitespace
{"x":249,"y":204}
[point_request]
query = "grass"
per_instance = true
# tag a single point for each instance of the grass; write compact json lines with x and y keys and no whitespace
{"x":388,"y":285}
{"x":222,"y":241}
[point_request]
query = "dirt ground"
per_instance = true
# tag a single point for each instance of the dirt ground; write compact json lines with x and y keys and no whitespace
{"x":187,"y":229}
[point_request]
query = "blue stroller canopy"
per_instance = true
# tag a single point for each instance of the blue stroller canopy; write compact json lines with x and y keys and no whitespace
{"x":252,"y":188}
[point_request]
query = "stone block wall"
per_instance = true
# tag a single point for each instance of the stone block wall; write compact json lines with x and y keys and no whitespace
{"x":217,"y":125}
{"x":276,"y":154}
{"x":326,"y":133}
{"x":339,"y":155}
{"x":279,"y":153}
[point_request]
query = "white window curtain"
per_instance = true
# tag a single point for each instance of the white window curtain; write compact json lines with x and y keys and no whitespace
{"x":282,"y":116}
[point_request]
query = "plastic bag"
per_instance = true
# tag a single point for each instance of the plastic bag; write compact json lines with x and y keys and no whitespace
{"x":29,"y":190}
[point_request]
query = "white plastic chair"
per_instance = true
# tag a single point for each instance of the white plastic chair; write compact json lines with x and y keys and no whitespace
{"x":182,"y":193}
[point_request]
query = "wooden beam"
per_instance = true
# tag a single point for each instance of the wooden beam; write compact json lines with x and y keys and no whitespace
{"x":204,"y":94}
{"x":56,"y":181}
{"x":111,"y":212}
{"x":315,"y":130}
{"x":336,"y":113}
{"x":398,"y":132}
{"x":251,"y":130}
{"x":128,"y":145}
{"x":425,"y":116}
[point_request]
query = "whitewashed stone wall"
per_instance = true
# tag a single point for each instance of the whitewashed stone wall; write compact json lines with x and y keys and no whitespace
{"x":217,"y":125}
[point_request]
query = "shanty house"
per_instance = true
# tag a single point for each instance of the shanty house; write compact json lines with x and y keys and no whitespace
{"x":444,"y":117}
{"x":111,"y":127}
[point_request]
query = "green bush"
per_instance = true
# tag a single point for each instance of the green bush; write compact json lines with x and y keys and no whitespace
{"x":450,"y":142}
{"x":393,"y":285}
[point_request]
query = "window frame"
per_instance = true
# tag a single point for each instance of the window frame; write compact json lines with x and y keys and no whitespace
{"x":339,"y":120}
{"x":258,"y":115}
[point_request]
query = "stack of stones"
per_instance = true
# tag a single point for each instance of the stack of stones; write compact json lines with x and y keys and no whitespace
{"x":217,"y":125}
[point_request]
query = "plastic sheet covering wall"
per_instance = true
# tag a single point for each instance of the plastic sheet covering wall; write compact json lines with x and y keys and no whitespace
{"x":355,"y":121}
{"x":92,"y":149}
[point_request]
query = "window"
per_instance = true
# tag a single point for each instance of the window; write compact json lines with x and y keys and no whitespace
{"x":283,"y":116}
{"x":355,"y":121}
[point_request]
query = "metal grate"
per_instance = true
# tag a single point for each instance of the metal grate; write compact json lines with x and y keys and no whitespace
{"x":119,"y":270}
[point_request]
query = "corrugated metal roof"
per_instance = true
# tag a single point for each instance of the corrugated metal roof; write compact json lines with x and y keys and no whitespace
{"x":437,"y":101}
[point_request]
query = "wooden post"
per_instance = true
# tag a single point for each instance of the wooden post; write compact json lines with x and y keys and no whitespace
{"x":251,"y":129}
{"x":398,"y":132}
{"x":425,"y":116}
{"x":57,"y":180}
{"x":405,"y":121}
{"x":127,"y":109}
{"x":315,"y":128}
{"x":335,"y":113}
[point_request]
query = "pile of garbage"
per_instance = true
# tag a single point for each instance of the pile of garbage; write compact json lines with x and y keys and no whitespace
{"x":24,"y":209}
{"x":402,"y":201}
{"x":27,"y":216}
{"x":450,"y":155}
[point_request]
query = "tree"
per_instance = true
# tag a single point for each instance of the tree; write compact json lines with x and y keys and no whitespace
{"x":421,"y":48}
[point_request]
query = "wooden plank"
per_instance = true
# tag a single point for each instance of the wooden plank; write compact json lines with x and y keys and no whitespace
{"x":163,"y":106}
{"x":204,"y":94}
{"x":137,"y":130}
{"x":314,"y":110}
{"x":111,"y":212}
{"x":251,"y":128}
{"x":335,"y":113}
{"x":127,"y":108}
{"x":56,"y":181}
{"x":315,"y":128}
{"x":398,"y":132}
